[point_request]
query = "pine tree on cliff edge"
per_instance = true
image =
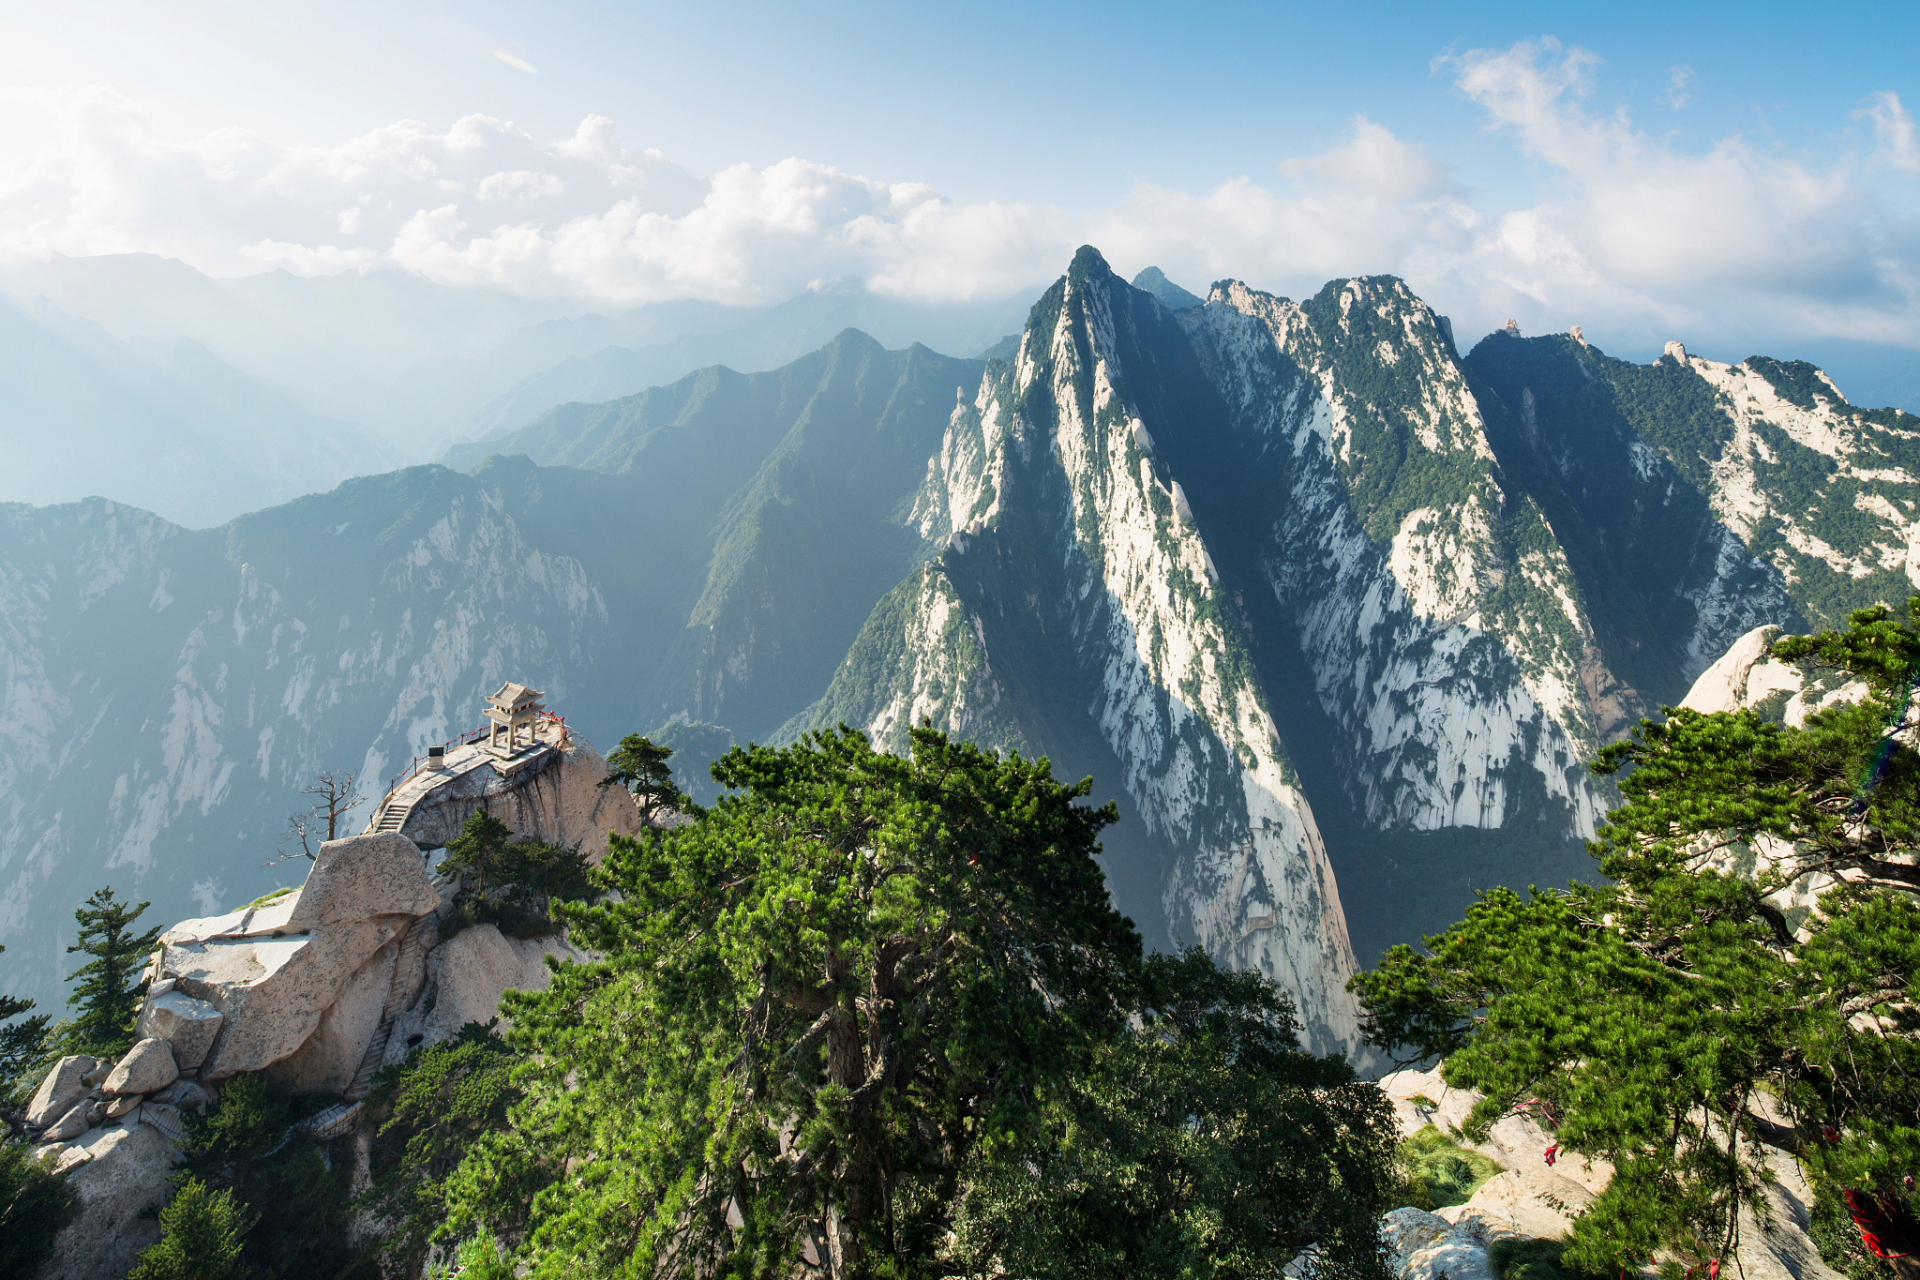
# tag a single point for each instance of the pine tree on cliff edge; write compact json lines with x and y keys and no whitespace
{"x":109,"y":990}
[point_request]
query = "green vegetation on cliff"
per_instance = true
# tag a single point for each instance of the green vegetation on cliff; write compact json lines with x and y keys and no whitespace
{"x":1671,"y":1017}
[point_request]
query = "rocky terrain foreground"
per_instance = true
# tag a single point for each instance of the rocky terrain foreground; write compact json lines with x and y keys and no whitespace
{"x":317,"y":988}
{"x":1530,"y":1198}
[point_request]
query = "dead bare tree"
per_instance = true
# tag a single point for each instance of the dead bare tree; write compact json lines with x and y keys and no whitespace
{"x":336,"y":791}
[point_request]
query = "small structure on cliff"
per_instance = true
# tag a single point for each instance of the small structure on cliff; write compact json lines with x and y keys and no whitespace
{"x":513,"y":708}
{"x":539,"y":777}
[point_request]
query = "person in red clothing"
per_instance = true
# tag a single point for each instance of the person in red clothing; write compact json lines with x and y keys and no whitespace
{"x":1887,"y":1229}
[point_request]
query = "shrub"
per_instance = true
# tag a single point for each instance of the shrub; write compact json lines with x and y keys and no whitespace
{"x":295,"y":1196}
{"x":35,"y":1203}
{"x":1440,"y":1172}
{"x":200,"y":1238}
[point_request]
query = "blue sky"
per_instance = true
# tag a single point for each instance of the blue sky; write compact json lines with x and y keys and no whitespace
{"x":1645,"y":170}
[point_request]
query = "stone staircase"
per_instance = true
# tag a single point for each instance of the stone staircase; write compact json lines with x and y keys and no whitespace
{"x":392,"y":817}
{"x":410,"y":947}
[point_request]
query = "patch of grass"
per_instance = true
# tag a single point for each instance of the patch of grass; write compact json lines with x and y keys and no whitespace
{"x":1513,"y":1259}
{"x":1441,"y":1172}
{"x":264,"y":899}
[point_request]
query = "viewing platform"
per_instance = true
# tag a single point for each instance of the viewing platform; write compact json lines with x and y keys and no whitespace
{"x":525,"y":767}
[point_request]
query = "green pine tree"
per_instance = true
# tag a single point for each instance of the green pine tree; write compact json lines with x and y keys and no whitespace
{"x":844,"y":1012}
{"x":21,"y":1042}
{"x":200,"y":1238}
{"x":510,"y":883}
{"x":1674,"y":1019}
{"x":641,"y":767}
{"x":110,"y":984}
{"x":436,"y":1104}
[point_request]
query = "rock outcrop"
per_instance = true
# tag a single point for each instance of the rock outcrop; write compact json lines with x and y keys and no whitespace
{"x":548,"y":792}
{"x":119,"y":1174}
{"x":1747,"y":675}
{"x":273,"y":972}
{"x":467,"y":975}
{"x":260,"y":990}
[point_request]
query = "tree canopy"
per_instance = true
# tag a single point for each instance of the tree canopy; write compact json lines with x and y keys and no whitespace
{"x":22,"y":1041}
{"x":507,"y":882}
{"x":640,"y":765}
{"x":107,"y":994}
{"x":873,"y":1015}
{"x":1675,"y":1019}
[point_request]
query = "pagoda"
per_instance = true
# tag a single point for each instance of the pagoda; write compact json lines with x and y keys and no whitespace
{"x":511,"y":709}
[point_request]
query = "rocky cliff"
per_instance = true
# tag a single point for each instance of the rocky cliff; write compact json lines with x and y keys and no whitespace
{"x":1332,"y":612}
{"x":316,"y":988}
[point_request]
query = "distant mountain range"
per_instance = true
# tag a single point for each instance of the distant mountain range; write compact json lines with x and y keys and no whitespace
{"x":1334,"y":612}
{"x":141,"y":379}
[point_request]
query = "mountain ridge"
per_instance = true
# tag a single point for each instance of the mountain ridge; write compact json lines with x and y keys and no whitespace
{"x":1332,"y":612}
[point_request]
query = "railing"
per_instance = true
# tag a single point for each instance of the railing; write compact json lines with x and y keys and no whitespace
{"x":460,"y":740}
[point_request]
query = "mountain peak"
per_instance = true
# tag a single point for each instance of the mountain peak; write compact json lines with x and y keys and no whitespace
{"x":1154,"y":281}
{"x":1088,"y":264}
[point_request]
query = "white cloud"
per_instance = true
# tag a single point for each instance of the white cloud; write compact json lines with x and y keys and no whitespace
{"x":1893,"y":130}
{"x":519,"y":184}
{"x":1679,"y":79}
{"x":1625,"y":232}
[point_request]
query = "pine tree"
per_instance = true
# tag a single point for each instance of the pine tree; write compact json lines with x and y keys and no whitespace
{"x":641,"y":767}
{"x":108,"y":994}
{"x":1674,"y":1019}
{"x":23,"y":1041}
{"x":511,"y":883}
{"x":200,"y":1238}
{"x":851,"y":1006}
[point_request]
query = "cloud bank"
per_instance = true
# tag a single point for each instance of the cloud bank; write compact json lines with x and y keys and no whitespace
{"x":1624,"y":230}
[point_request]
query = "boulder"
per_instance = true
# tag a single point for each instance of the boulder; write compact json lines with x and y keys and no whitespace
{"x":65,"y":1085}
{"x":361,"y":877}
{"x":188,"y":1095}
{"x":330,"y":1058}
{"x":118,"y":1175}
{"x":122,"y":1106}
{"x":469,"y":972}
{"x":1461,"y":1254}
{"x":1406,"y":1231}
{"x":1525,"y":1202}
{"x":190,"y":1026}
{"x":143,"y":1069}
{"x":71,"y":1125}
